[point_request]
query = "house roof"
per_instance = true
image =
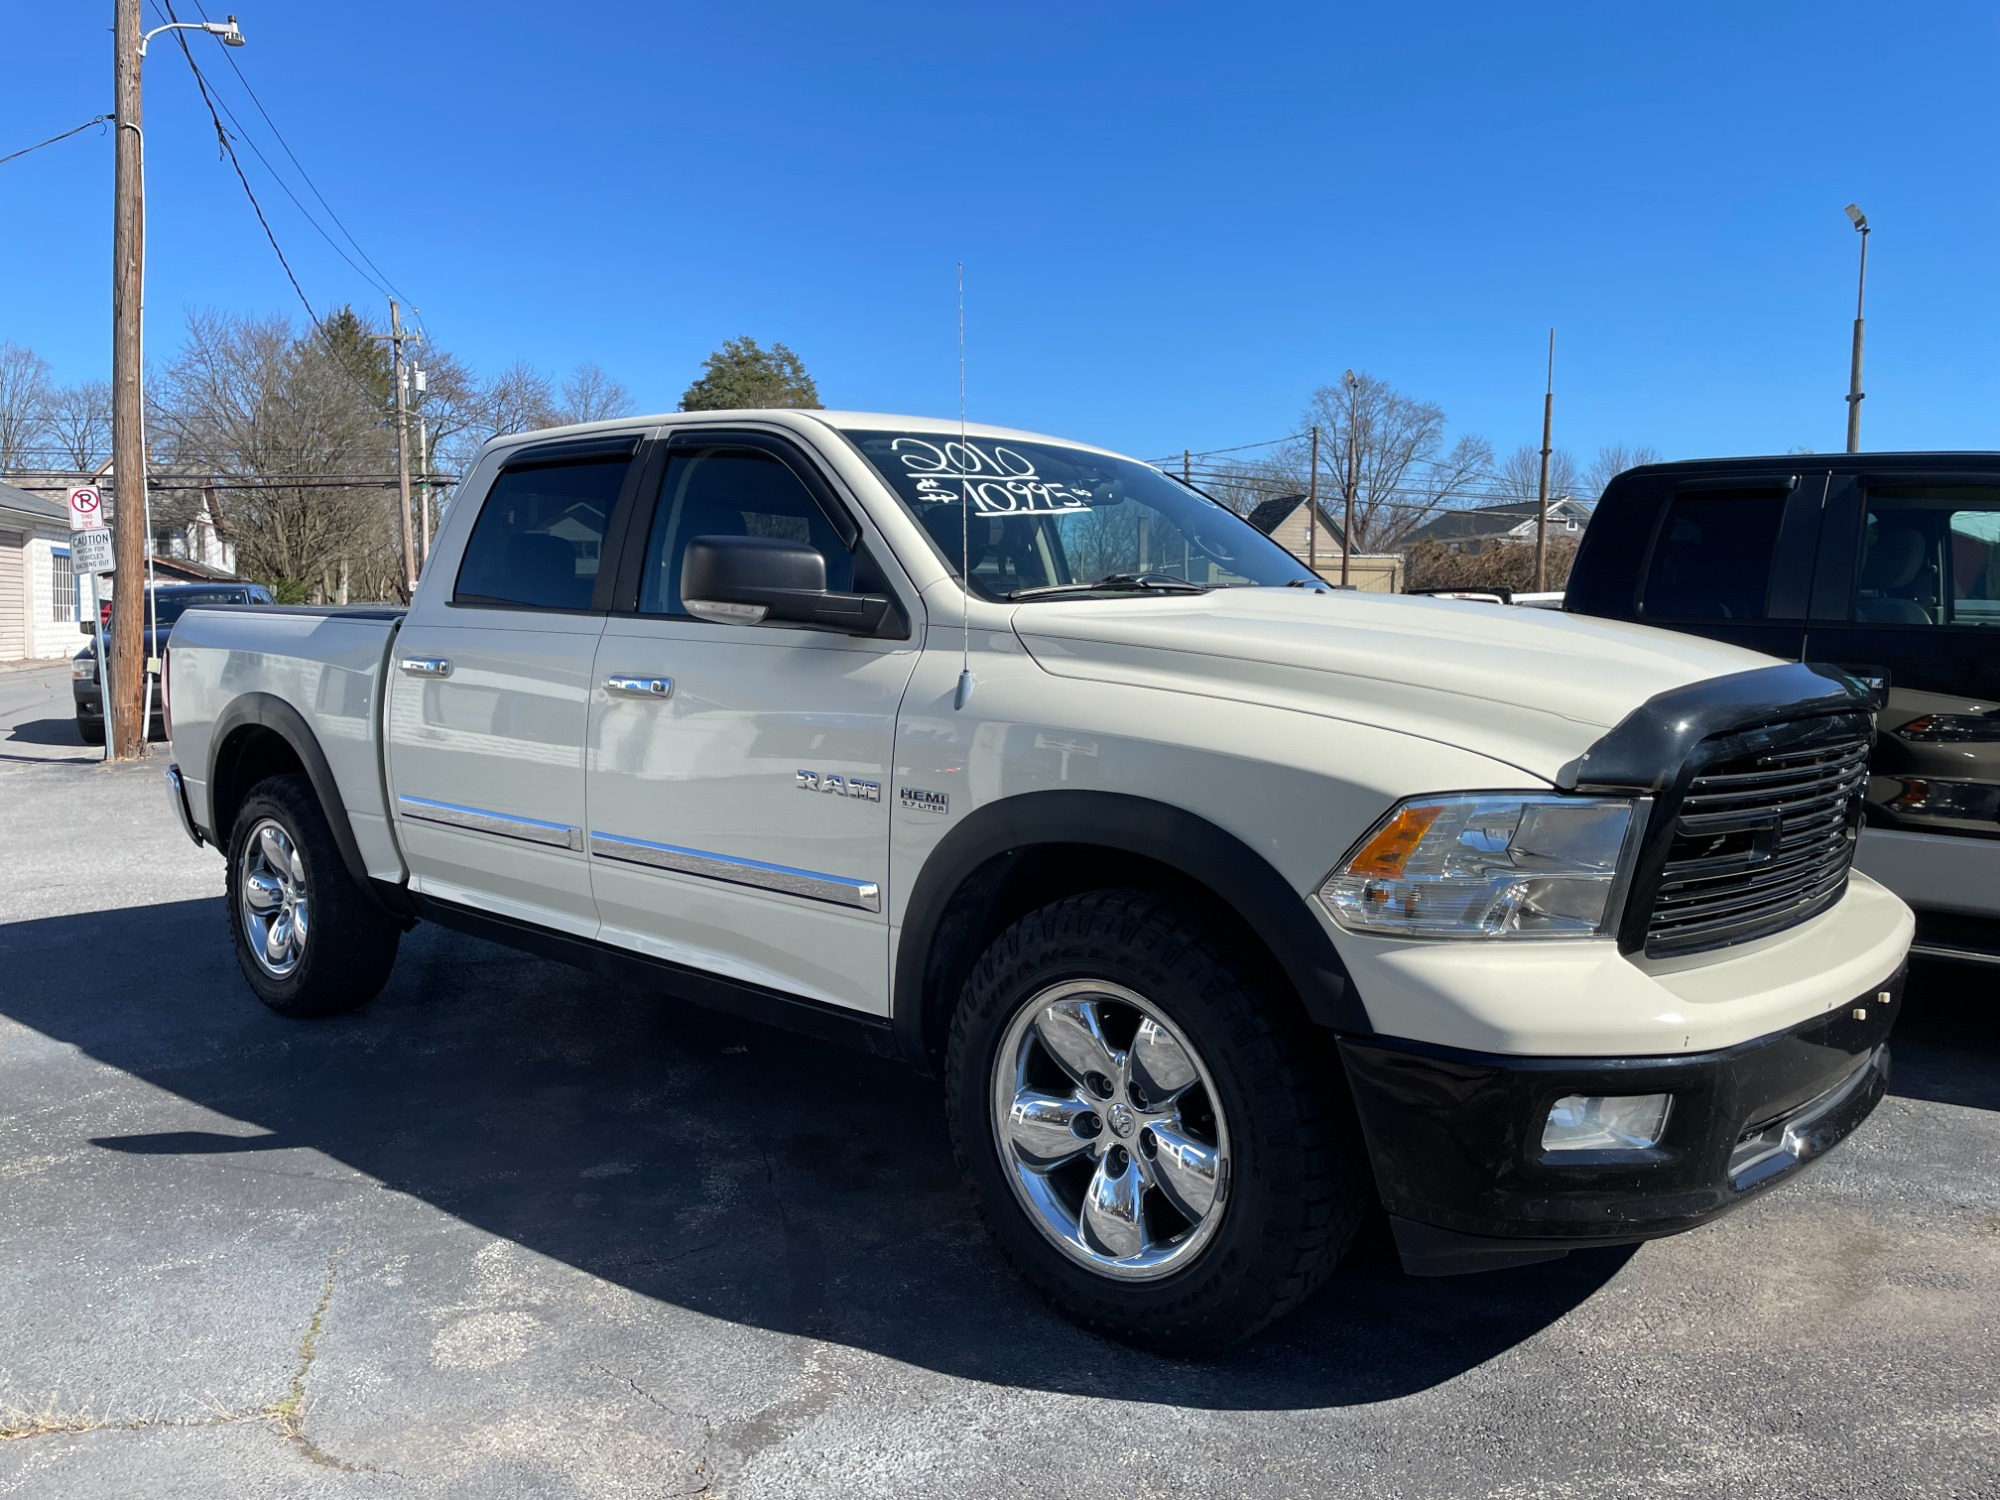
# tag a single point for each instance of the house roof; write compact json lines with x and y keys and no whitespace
{"x":32,"y":505}
{"x":187,"y":570}
{"x":1271,"y":514}
{"x":1495,"y":520}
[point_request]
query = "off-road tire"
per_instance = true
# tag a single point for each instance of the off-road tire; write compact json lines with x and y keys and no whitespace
{"x":351,"y":943}
{"x":90,"y":731}
{"x":1298,"y":1183}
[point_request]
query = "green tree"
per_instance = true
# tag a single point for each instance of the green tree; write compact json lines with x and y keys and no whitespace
{"x":740,"y":375}
{"x":354,"y":344}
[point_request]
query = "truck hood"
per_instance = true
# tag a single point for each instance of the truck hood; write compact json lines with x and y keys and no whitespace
{"x":1531,"y":687}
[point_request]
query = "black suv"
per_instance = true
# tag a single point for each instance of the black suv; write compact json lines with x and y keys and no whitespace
{"x":1886,"y":564}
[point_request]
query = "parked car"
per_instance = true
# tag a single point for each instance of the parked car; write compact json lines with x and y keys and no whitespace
{"x":1225,"y":903}
{"x":1886,"y":565}
{"x":166,"y":604}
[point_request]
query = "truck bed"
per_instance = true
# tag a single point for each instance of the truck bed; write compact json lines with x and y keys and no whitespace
{"x":236,"y":671}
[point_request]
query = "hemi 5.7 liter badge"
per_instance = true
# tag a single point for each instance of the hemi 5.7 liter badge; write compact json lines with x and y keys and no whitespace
{"x":923,"y":801}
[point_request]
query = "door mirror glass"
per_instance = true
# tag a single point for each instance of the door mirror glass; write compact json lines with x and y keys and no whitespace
{"x":748,"y":580}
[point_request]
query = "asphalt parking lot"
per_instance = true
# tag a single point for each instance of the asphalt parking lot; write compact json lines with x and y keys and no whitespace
{"x":512,"y":1232}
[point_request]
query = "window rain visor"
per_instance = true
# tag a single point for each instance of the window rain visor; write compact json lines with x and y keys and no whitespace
{"x":1489,"y":865}
{"x":1043,"y":516}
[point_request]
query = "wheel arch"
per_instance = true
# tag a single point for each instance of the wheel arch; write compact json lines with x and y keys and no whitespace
{"x":260,"y":735}
{"x":1013,"y":856}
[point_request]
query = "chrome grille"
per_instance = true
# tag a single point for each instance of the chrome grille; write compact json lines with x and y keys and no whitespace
{"x":1762,"y":840}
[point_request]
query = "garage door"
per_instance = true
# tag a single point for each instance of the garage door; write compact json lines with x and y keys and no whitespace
{"x":13,"y":596}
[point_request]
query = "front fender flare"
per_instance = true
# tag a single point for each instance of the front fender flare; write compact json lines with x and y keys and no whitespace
{"x":1210,"y":856}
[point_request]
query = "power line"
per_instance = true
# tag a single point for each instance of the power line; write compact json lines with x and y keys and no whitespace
{"x":229,"y":150}
{"x":283,"y":187}
{"x":13,"y":155}
{"x":385,"y":285}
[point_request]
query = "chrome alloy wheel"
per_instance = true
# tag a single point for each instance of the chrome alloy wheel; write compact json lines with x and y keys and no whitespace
{"x":1110,"y":1130}
{"x":271,"y":899}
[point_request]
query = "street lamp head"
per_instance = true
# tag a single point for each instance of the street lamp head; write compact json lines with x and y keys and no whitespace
{"x":1860,"y":220}
{"x":230,"y":32}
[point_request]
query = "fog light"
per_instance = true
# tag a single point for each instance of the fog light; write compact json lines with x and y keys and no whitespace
{"x":1596,"y":1122}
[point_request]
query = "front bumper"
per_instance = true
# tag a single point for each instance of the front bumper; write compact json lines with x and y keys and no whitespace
{"x":1455,"y":1136}
{"x":89,"y":698}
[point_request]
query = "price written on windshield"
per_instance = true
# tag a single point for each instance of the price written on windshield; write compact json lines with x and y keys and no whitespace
{"x":997,"y":480}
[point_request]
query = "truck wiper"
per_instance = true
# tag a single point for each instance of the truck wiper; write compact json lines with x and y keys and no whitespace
{"x":1117,"y":583}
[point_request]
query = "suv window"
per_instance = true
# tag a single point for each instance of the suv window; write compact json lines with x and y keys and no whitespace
{"x":1930,"y":557}
{"x":540,"y":535}
{"x":1712,"y":560}
{"x":725,"y":491}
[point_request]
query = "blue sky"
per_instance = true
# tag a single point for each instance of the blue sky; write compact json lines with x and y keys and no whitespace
{"x":1175,"y":220}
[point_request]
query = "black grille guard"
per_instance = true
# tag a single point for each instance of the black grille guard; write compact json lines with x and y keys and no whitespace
{"x":1657,"y":749}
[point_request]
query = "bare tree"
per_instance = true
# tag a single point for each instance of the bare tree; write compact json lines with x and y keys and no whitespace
{"x":289,"y":436}
{"x":24,"y":402}
{"x":1245,"y":485}
{"x":1519,"y":475}
{"x":1407,"y":471}
{"x":1614,"y":459}
{"x":518,"y":399}
{"x":590,"y":395}
{"x":79,"y":424}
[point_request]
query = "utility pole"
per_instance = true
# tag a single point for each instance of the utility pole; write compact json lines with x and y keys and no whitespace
{"x":1353,"y":478}
{"x":1542,"y":505}
{"x":122,"y":671}
{"x":1312,"y":509}
{"x":1860,"y":222}
{"x":397,"y":338}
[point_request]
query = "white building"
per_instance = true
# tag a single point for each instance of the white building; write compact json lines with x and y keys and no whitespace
{"x":38,"y":596}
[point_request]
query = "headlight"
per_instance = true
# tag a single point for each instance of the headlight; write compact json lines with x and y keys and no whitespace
{"x":84,"y":668}
{"x":1488,"y":865}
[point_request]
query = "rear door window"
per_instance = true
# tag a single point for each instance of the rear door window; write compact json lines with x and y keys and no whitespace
{"x":540,"y":536}
{"x":1930,"y":557}
{"x":1712,"y":558}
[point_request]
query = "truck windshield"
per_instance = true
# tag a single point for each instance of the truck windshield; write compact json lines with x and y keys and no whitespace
{"x":1053,"y":522}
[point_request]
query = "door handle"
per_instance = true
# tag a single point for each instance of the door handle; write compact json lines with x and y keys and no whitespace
{"x":640,"y":687}
{"x":425,"y":666}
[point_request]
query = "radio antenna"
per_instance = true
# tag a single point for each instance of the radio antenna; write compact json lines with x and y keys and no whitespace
{"x":964,"y":693}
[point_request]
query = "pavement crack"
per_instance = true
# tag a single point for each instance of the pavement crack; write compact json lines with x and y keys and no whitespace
{"x":707,"y":1427}
{"x":288,"y":1416}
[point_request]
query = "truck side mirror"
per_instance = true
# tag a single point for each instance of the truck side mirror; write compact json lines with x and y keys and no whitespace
{"x":746,"y":580}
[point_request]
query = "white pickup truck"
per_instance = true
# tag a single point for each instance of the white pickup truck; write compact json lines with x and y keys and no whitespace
{"x":1226,"y":904}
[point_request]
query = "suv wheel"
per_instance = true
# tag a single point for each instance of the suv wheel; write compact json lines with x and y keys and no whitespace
{"x":308,"y":939}
{"x":1135,"y":1106}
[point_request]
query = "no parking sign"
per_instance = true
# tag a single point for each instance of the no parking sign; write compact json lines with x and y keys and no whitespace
{"x":86,"y":508}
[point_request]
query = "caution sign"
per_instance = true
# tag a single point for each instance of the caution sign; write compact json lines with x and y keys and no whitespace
{"x":90,"y":551}
{"x":86,"y":508}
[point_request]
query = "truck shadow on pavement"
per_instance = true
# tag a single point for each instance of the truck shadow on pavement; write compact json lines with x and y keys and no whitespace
{"x":708,"y":1163}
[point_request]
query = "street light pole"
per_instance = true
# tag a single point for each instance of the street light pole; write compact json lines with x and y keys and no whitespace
{"x":1347,"y":524}
{"x":1860,"y":222}
{"x":1542,"y":492}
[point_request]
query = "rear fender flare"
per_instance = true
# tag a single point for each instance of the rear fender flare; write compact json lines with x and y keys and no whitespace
{"x":268,"y":711}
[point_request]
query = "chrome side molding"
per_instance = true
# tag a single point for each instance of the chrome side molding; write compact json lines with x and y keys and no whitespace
{"x":841,"y":890}
{"x":481,"y":820}
{"x":425,"y":666}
